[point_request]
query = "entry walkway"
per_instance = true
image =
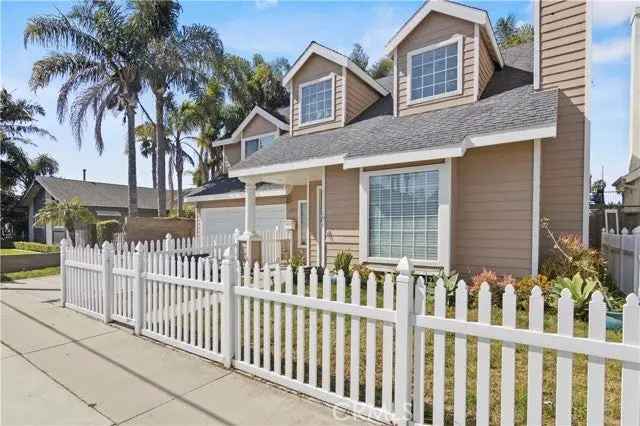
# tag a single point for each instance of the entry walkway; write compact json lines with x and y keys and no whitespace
{"x":59,"y":367}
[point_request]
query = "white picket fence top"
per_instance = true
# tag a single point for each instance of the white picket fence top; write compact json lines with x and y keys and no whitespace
{"x":622,"y":252}
{"x":304,"y":333}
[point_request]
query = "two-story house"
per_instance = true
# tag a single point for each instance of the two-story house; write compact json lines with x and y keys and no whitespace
{"x":452,"y":161}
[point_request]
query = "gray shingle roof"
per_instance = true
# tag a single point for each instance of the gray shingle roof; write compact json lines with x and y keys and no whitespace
{"x":226,"y":185}
{"x":97,"y":194}
{"x":508,"y":103}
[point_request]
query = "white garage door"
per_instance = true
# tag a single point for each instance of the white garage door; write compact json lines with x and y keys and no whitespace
{"x":226,"y":219}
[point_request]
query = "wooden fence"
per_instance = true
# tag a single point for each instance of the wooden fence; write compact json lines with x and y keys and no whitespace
{"x":344,"y":343}
{"x":622,"y":252}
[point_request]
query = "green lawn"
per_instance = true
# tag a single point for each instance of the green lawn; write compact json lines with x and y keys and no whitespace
{"x":13,"y":252}
{"x":21,"y":275}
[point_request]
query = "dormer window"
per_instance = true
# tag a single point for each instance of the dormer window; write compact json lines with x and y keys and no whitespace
{"x":316,"y":101}
{"x":251,"y":145}
{"x":435,"y":71}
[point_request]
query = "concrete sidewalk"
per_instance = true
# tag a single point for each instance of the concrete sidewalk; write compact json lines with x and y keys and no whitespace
{"x":60,"y":367}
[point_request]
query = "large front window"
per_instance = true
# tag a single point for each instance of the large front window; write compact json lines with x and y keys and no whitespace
{"x":403,"y":215}
{"x":435,"y":71}
{"x":316,"y":101}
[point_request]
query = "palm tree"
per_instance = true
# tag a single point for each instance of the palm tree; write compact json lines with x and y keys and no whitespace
{"x":103,"y":65}
{"x":18,"y":119}
{"x":509,"y":33}
{"x":145,"y":135}
{"x":69,"y":214}
{"x":182,"y":121}
{"x":175,"y":59}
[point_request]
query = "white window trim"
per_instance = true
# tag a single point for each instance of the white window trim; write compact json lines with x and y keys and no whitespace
{"x":250,"y":138}
{"x":444,"y":214}
{"x":300,"y":202}
{"x":458,"y":38}
{"x":332,"y":116}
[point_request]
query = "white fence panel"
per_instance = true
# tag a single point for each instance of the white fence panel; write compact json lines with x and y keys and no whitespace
{"x":280,"y":326}
{"x":622,"y":252}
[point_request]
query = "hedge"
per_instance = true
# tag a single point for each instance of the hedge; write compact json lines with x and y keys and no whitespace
{"x":106,"y":229}
{"x":39,"y":247}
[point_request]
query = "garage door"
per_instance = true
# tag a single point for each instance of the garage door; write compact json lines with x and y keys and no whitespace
{"x":226,"y":219}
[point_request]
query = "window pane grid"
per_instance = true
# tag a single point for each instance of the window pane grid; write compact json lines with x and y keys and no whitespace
{"x":316,"y":101}
{"x":434,"y":72}
{"x":403,"y":215}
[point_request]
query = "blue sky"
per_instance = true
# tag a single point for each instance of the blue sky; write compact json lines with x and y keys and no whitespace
{"x":283,"y":28}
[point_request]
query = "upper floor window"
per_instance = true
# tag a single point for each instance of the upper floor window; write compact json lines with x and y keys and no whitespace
{"x":316,"y":101}
{"x":254,"y":144}
{"x":435,"y":71}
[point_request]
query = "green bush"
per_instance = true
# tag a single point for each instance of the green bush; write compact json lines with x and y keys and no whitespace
{"x":39,"y":247}
{"x":106,"y":229}
{"x":343,"y":262}
{"x":581,"y":291}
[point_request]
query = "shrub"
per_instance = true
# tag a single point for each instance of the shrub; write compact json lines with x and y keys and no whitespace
{"x":362,"y":270}
{"x":296,"y":261}
{"x":106,"y":229}
{"x":524,"y":286}
{"x":343,"y":262}
{"x":450,"y":284}
{"x":570,"y":256}
{"x":581,"y":291}
{"x":496,"y":284}
{"x":39,"y":247}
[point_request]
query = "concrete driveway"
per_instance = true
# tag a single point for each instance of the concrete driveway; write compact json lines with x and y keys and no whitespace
{"x":60,"y":367}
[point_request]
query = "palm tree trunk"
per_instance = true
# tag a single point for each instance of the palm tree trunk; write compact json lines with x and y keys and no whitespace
{"x":179,"y":170}
{"x":154,"y":162}
{"x":170,"y":176}
{"x":131,"y":143}
{"x":161,"y":147}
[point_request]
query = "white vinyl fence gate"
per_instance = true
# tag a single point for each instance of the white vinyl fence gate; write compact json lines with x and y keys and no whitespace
{"x":622,"y":252}
{"x":324,"y":337}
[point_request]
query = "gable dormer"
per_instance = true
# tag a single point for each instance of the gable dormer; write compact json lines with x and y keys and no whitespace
{"x":258,"y":130}
{"x":327,"y":90}
{"x":443,"y":56}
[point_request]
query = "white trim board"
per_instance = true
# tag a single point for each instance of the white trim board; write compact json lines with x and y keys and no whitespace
{"x":287,"y":167}
{"x":333,"y":56}
{"x":238,"y":195}
{"x":535,"y":207}
{"x":460,"y":11}
{"x":444,"y":214}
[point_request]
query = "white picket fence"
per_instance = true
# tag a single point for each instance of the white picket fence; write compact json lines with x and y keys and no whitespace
{"x":323,"y":337}
{"x":273,"y":242}
{"x":622,"y":252}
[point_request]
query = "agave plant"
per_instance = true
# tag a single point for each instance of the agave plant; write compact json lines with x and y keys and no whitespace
{"x":581,"y":291}
{"x":450,"y":284}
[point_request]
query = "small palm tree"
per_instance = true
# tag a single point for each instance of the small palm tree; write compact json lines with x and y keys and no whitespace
{"x":145,"y":135}
{"x":69,"y":214}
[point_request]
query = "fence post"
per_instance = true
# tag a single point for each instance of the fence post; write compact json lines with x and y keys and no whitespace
{"x":107,"y":280}
{"x":229,"y":281}
{"x":138,"y":290}
{"x":63,"y":281}
{"x":168,"y":243}
{"x":636,"y":259}
{"x":236,"y":244}
{"x":404,"y":348}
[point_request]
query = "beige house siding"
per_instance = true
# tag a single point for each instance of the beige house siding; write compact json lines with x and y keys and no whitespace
{"x":434,"y":29}
{"x":232,"y":153}
{"x":562,"y":65}
{"x":341,"y":214}
{"x":298,"y":192}
{"x":258,"y":126}
{"x":360,"y":96}
{"x":314,"y":252}
{"x":315,"y":68}
{"x":491,"y":224}
{"x":486,"y":66}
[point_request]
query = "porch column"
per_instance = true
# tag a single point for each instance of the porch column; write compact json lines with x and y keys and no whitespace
{"x":249,"y":242}
{"x":249,"y":209}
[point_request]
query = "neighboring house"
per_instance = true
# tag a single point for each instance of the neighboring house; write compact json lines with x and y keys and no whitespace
{"x":629,"y":184}
{"x":452,"y":161}
{"x":105,"y":200}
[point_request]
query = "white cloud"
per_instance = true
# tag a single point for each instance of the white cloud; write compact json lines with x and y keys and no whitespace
{"x":266,"y":4}
{"x":611,"y":50}
{"x":613,"y":12}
